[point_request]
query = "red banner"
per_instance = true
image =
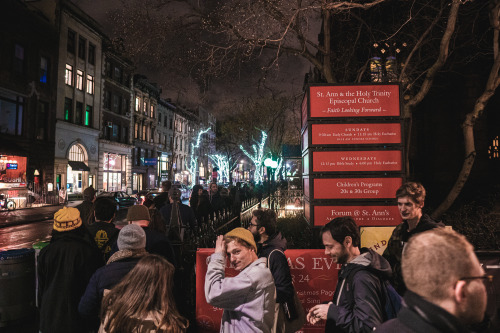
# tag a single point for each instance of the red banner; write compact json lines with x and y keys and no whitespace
{"x":355,"y":101}
{"x":314,"y":277}
{"x":356,"y":188}
{"x":363,"y":215}
{"x":335,"y":161}
{"x":353,"y":134}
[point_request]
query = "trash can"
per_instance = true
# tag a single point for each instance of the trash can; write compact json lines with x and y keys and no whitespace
{"x":38,"y":247}
{"x":17,"y":285}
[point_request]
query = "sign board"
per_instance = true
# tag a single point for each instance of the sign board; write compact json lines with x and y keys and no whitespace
{"x":372,"y":215}
{"x":363,"y":161}
{"x":355,"y":188}
{"x":375,"y":238}
{"x":149,"y":161}
{"x":314,"y":277}
{"x":354,"y":101}
{"x":355,"y":134}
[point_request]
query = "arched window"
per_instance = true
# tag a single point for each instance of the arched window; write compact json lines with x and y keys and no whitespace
{"x":76,"y":153}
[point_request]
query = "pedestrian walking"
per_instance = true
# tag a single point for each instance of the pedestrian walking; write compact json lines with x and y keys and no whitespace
{"x":85,"y":208}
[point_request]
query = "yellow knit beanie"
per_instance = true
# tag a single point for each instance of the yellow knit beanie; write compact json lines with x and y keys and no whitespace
{"x":66,"y":219}
{"x":243,"y":234}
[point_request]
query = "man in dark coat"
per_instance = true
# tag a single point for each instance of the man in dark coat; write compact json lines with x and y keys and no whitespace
{"x":271,"y":245}
{"x":103,"y":231}
{"x":186,"y":213}
{"x":161,"y":199}
{"x":216,"y":201}
{"x":446,"y":285}
{"x":358,"y":303}
{"x":410,"y":197}
{"x":85,"y":208}
{"x":131,"y":248}
{"x":64,"y":270}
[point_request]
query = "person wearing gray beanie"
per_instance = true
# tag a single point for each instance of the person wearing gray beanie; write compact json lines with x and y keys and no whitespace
{"x":131,"y":237}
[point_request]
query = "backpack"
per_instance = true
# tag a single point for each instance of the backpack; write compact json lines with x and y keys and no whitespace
{"x":392,"y":300}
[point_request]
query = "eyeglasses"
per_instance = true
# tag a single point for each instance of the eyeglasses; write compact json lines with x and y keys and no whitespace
{"x":485,"y":278}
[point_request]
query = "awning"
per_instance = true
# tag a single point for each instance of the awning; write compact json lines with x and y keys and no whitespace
{"x":78,"y":166}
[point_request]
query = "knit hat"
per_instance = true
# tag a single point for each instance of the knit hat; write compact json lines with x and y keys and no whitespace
{"x":131,"y":237}
{"x":243,"y":234}
{"x":66,"y":219}
{"x":137,"y":213}
{"x":174,"y":193}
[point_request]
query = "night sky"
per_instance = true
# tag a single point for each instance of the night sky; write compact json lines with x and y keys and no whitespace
{"x":287,"y":79}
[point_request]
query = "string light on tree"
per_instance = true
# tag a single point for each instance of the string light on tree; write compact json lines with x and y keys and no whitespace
{"x":222,"y":163}
{"x":256,"y":158}
{"x":193,"y":159}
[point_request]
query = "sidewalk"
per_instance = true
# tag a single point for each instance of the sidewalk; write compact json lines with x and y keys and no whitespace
{"x":31,"y":215}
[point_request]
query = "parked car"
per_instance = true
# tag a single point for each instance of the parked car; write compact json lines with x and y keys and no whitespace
{"x":122,"y":198}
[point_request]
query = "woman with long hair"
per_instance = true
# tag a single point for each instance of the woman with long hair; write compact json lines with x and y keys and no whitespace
{"x":143,"y":301}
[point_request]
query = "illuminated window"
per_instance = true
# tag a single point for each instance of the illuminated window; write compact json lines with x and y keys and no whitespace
{"x":137,"y":103}
{"x":145,"y":109}
{"x":68,"y":109}
{"x":493,"y":149}
{"x":136,"y":130}
{"x":152,"y":111}
{"x":68,"y":78}
{"x":76,"y":154}
{"x":79,"y":79}
{"x":88,"y":116}
{"x":90,"y":84}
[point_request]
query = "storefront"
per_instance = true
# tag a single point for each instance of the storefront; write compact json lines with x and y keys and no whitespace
{"x":163,"y":166}
{"x":13,"y":183}
{"x":77,"y":172}
{"x":114,"y":172}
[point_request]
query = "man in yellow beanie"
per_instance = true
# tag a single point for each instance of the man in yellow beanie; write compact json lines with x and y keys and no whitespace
{"x":249,"y":298}
{"x":64,"y":270}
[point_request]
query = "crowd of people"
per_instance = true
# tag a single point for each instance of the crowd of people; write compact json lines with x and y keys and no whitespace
{"x":94,"y":277}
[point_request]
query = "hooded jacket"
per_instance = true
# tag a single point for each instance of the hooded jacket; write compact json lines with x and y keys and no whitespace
{"x":278,"y":265}
{"x":358,"y":299}
{"x":248,"y":299}
{"x":64,"y":269}
{"x":397,"y":242}
{"x":421,"y":316}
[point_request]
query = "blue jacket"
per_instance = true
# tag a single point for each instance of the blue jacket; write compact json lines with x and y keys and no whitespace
{"x":105,"y":277}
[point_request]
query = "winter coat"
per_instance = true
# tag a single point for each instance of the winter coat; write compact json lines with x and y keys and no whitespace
{"x":397,"y":242}
{"x":216,"y":204}
{"x":64,"y":270}
{"x":248,"y":299}
{"x":421,"y":316}
{"x":359,"y":307}
{"x":186,"y":215}
{"x":158,"y":243}
{"x":106,"y":277}
{"x":105,"y":235}
{"x":202,"y":209}
{"x":85,"y":209}
{"x":278,"y":265}
{"x":160,"y":200}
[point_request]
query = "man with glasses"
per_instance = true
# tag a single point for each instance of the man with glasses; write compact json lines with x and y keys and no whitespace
{"x":271,"y":245}
{"x":446,"y":285}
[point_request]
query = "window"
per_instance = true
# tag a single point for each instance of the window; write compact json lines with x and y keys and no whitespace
{"x":144,"y":132}
{"x":90,"y":84}
{"x":116,"y":132}
{"x":136,"y":130}
{"x":91,"y":58}
{"x":171,"y":123}
{"x":88,"y":116}
{"x":159,"y":118}
{"x":79,"y":79}
{"x":124,"y":134}
{"x":165,"y":120}
{"x":107,"y":99}
{"x":41,"y":120}
{"x":116,"y":103}
{"x":107,"y":69}
{"x":44,"y":69}
{"x":145,"y":109}
{"x":68,"y":109}
{"x":18,"y":59}
{"x":118,"y":74}
{"x":125,"y":105}
{"x":137,"y":103}
{"x":78,"y":113}
{"x":81,"y":47}
{"x":11,"y":115}
{"x":71,"y":41}
{"x":152,"y":111}
{"x":76,"y":153}
{"x":68,"y":78}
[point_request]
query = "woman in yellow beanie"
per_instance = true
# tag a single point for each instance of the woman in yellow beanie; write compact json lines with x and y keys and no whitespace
{"x":64,"y":269}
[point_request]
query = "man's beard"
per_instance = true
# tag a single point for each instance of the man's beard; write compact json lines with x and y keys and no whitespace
{"x":256,"y":237}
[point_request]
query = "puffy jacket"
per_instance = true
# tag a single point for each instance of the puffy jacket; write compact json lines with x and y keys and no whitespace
{"x":358,"y":306}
